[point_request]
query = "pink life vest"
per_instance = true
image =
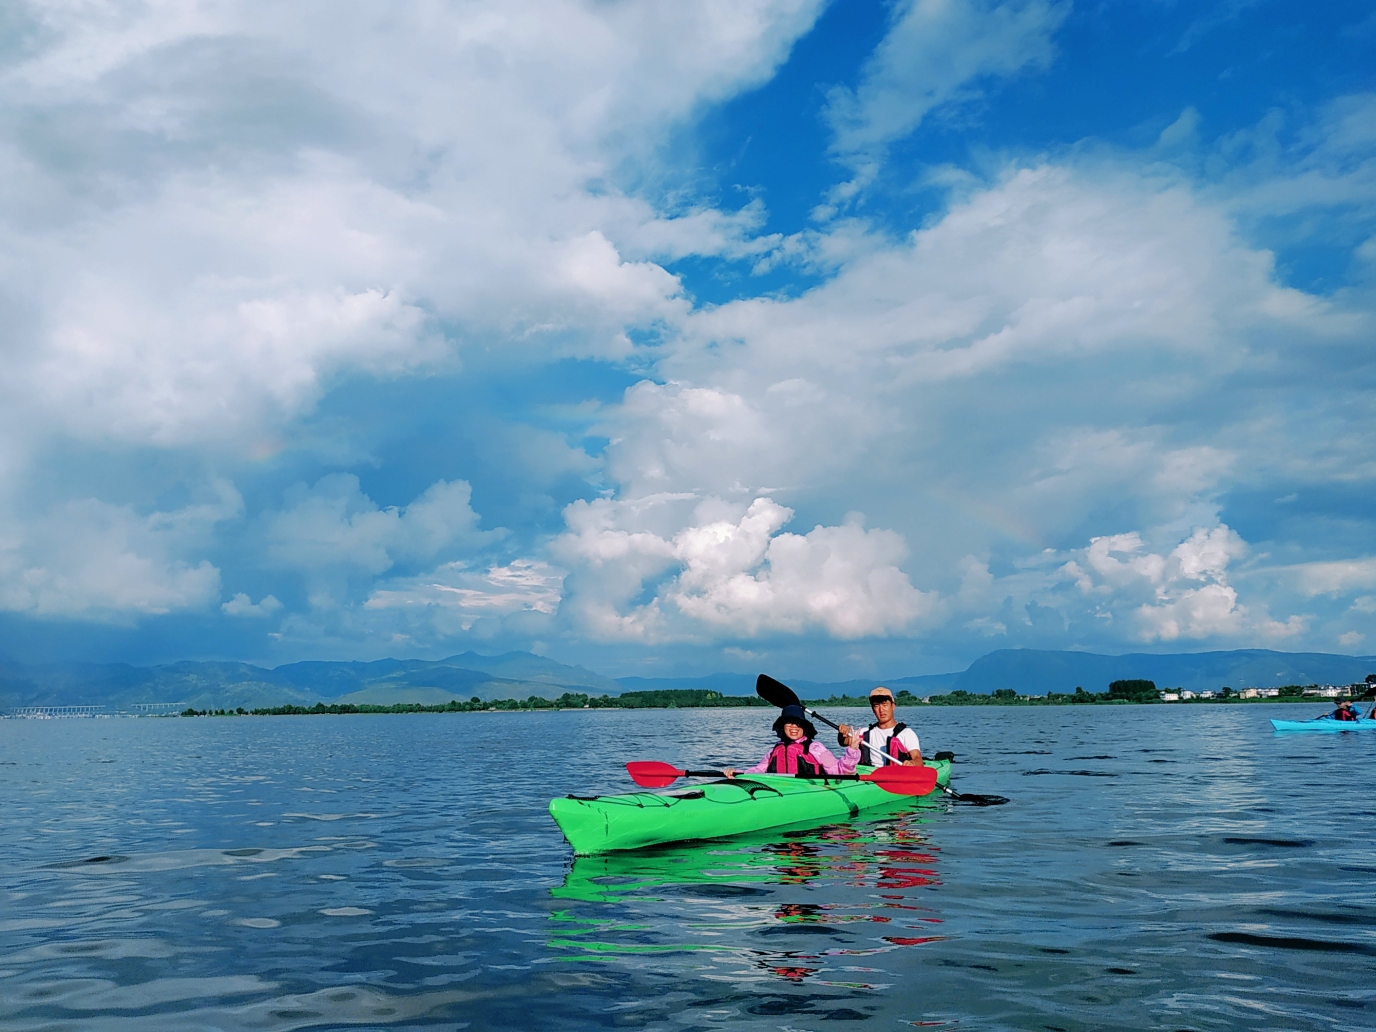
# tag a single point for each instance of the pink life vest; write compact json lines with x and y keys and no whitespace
{"x":793,"y":758}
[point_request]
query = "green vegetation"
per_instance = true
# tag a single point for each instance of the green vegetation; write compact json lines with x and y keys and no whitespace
{"x":680,"y":699}
{"x":1125,"y":692}
{"x":1119,"y":693}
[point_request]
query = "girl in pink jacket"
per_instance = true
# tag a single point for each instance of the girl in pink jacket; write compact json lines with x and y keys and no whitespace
{"x":798,"y":752}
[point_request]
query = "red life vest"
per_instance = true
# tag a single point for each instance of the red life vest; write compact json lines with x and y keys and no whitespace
{"x":894,"y":748}
{"x":1344,"y":714}
{"x":793,"y":758}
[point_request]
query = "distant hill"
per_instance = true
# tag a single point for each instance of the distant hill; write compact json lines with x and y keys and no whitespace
{"x":1036,"y":672}
{"x":744,"y":684}
{"x":213,"y":685}
{"x":518,"y":675}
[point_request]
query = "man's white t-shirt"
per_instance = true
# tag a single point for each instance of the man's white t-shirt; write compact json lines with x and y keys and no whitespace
{"x":877,"y":738}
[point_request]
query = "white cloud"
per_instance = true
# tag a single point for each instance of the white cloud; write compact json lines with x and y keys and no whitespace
{"x":92,"y":560}
{"x":1049,"y":264}
{"x":242,"y":605}
{"x":1184,"y":595}
{"x":1194,"y":614}
{"x":1115,"y":301}
{"x":1325,"y":159}
{"x":936,"y":53}
{"x":223,"y":209}
{"x":732,"y":572}
{"x":1188,"y":593}
{"x":332,"y":526}
{"x":522,"y":585}
{"x":215,"y":213}
{"x":1054,"y":355}
{"x":1334,"y":577}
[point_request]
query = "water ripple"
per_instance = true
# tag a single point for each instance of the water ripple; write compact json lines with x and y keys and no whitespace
{"x":183,"y":884}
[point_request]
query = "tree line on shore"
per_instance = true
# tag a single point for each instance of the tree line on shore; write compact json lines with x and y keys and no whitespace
{"x":688,"y":698}
{"x":1131,"y":691}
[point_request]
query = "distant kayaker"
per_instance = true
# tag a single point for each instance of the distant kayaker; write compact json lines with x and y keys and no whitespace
{"x":886,"y":736}
{"x":1345,"y":712}
{"x":797,"y":752}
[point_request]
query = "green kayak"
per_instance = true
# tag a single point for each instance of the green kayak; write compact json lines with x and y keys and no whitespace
{"x":717,"y":809}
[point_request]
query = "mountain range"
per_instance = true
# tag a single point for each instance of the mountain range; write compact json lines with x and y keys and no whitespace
{"x":216,"y":685}
{"x":518,"y":675}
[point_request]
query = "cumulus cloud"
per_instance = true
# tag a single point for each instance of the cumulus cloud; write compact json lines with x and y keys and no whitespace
{"x":242,"y":605}
{"x":220,"y":210}
{"x":733,"y":573}
{"x":898,"y":367}
{"x":1049,"y":263}
{"x":1123,"y":590}
{"x":92,"y":560}
{"x":332,"y":526}
{"x":217,"y":214}
{"x":1190,"y":594}
{"x":1126,"y":305}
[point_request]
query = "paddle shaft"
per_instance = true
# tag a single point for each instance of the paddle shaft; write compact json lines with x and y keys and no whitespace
{"x":800,"y":777}
{"x":902,"y":781}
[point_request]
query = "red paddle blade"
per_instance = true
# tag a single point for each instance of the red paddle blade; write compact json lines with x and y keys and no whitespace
{"x":653,"y":773}
{"x":904,"y":780}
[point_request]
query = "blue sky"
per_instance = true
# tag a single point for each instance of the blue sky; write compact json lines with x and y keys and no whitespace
{"x":828,"y":339}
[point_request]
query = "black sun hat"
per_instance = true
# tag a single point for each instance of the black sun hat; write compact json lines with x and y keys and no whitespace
{"x":794,"y":715}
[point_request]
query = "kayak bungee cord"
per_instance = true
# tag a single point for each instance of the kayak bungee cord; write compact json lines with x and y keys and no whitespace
{"x":900,"y":781}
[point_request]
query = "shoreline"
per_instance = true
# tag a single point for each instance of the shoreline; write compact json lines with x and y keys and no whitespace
{"x":562,"y":704}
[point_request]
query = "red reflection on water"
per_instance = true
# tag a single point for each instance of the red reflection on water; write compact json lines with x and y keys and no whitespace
{"x":799,"y":912}
{"x":909,"y":940}
{"x":898,"y":854}
{"x":905,"y":878}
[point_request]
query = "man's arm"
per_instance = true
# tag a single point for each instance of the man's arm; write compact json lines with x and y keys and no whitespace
{"x":914,"y":755}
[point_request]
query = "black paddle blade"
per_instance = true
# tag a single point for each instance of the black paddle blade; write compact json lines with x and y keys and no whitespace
{"x":974,"y":799}
{"x":776,"y":693}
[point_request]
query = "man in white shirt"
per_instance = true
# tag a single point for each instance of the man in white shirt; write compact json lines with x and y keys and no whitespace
{"x":886,"y":737}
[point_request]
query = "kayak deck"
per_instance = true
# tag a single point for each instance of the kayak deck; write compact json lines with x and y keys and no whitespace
{"x":716,"y":809}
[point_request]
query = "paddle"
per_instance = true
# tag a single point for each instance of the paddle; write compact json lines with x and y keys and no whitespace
{"x":898,"y":780}
{"x":776,"y":693}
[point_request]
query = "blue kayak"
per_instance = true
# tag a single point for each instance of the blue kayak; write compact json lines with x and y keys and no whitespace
{"x":1325,"y":723}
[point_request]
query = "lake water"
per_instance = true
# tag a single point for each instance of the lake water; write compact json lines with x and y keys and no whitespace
{"x":1157,"y":868}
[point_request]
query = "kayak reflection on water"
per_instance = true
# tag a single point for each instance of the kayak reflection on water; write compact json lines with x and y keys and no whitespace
{"x":738,"y":904}
{"x":888,"y":855}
